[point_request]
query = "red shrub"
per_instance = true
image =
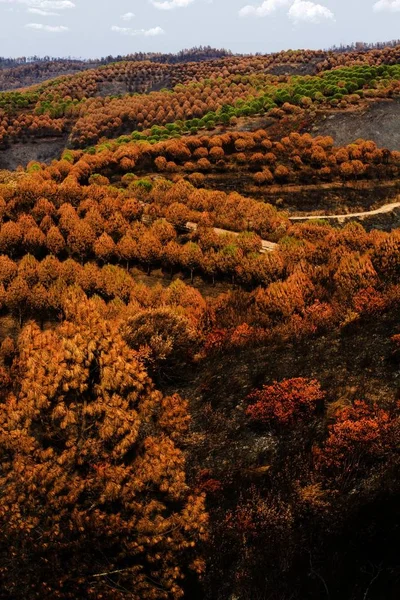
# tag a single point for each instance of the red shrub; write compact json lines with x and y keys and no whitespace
{"x":360,"y":435}
{"x":369,"y":301}
{"x":215,"y":340}
{"x":283,"y":402}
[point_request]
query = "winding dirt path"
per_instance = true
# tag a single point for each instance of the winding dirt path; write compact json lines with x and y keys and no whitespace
{"x":386,"y":208}
{"x":267,"y":246}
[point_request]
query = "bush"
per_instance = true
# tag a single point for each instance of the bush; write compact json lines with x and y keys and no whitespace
{"x":168,"y":336}
{"x":285,"y":402}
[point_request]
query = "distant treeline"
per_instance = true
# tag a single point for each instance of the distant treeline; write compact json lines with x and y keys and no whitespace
{"x":360,"y":46}
{"x":185,"y":55}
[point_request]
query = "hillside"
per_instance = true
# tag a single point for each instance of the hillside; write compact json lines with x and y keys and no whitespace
{"x":199,"y":327}
{"x":377,"y":121}
{"x":78,"y":110}
{"x":24,"y":72}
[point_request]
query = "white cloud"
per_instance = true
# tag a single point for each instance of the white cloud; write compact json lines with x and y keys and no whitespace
{"x":171,"y":4}
{"x":309,"y":12}
{"x":52,"y":4}
{"x":45,"y":5}
{"x":299,"y":10}
{"x":387,"y":6}
{"x":154,"y":31}
{"x":50,"y":28}
{"x":42,"y":13}
{"x":266,"y":8}
{"x":128,"y":16}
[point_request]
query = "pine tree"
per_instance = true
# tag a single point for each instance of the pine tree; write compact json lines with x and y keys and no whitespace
{"x":94,"y":498}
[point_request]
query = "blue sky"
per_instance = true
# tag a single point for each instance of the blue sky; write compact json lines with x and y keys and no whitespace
{"x":92,"y":28}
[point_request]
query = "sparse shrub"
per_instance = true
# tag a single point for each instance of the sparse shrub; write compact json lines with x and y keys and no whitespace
{"x":286,"y":402}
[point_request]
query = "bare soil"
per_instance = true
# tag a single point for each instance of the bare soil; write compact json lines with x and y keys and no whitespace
{"x":40,"y":149}
{"x":355,"y":363}
{"x":378,"y":121}
{"x":294,"y":68}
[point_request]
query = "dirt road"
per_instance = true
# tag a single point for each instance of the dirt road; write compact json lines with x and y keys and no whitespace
{"x":270,"y":246}
{"x":386,"y":208}
{"x":266,"y":246}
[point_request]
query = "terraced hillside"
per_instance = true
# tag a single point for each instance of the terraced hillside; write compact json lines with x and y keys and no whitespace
{"x":129,"y":97}
{"x":199,"y":330}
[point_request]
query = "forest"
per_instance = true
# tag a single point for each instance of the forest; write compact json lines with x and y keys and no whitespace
{"x":24,"y":71}
{"x":199,"y":326}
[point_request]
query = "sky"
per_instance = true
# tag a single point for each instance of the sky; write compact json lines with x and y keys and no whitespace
{"x":95,"y":28}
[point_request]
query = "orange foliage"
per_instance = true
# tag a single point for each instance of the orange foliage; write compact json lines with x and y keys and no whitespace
{"x":286,"y":402}
{"x":80,"y":461}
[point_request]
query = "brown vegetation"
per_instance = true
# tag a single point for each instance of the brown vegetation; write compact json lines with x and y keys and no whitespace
{"x":183,"y":414}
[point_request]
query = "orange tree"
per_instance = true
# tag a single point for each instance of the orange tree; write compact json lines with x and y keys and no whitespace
{"x":94,"y":498}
